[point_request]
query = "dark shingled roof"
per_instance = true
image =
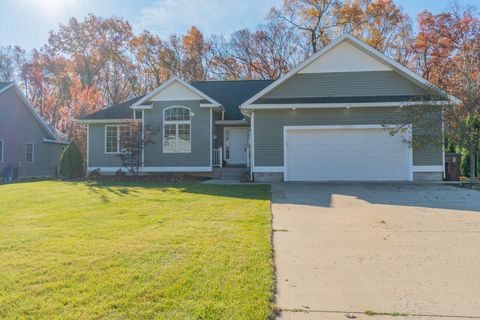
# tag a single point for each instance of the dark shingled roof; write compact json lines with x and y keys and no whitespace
{"x":119,"y":111}
{"x":231,"y":94}
{"x":4,"y":84}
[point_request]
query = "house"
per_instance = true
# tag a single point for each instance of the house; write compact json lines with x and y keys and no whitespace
{"x":324,"y":120}
{"x":28,"y":146}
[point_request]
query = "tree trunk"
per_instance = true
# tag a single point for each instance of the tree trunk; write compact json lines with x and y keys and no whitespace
{"x":472,"y":167}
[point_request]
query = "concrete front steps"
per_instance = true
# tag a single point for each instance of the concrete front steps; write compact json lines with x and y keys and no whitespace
{"x":229,"y":173}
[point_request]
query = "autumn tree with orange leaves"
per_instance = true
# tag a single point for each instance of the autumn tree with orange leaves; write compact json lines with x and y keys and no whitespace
{"x":96,"y":62}
{"x":447,"y":53}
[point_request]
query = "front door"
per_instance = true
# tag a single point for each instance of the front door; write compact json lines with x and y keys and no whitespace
{"x":236,"y":140}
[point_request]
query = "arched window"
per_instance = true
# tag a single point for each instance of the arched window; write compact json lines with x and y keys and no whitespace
{"x":177,"y":122}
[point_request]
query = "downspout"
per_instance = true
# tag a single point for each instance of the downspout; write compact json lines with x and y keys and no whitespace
{"x":88,"y":147}
{"x":211,"y":138}
{"x":143,"y":139}
{"x":443,"y":143}
{"x":252,"y":152}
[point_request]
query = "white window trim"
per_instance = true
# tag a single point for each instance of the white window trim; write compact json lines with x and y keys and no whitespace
{"x":2,"y":149}
{"x":409,"y":150}
{"x":176,"y":123}
{"x":118,"y":138}
{"x":33,"y":152}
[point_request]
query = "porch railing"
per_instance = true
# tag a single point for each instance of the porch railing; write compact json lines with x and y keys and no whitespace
{"x":217,"y":158}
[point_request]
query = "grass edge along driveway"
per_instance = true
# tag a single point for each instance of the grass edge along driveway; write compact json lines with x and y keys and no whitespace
{"x":107,"y":250}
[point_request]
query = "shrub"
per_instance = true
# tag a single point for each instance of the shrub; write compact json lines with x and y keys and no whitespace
{"x":96,"y":173}
{"x":71,"y":162}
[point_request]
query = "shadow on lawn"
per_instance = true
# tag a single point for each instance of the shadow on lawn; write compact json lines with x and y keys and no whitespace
{"x":123,"y":188}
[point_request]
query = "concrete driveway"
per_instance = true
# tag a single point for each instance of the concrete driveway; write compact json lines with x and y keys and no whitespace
{"x":343,"y":249}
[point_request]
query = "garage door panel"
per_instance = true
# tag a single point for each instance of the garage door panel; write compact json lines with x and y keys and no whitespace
{"x":346,"y":154}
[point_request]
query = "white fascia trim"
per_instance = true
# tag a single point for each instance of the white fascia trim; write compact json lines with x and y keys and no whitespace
{"x":363,"y":45}
{"x":169,"y":82}
{"x":269,"y":169}
{"x":409,"y":152}
{"x":154,"y":169}
{"x":99,"y":121}
{"x":428,"y":169}
{"x":55,"y":141}
{"x":210,"y":105}
{"x":7,"y":87}
{"x":231,"y":122}
{"x":142,"y":107}
{"x":345,"y":105}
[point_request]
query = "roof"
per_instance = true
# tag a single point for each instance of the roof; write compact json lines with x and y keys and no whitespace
{"x":252,"y":101}
{"x":172,"y":80}
{"x":231,"y":94}
{"x":119,"y":111}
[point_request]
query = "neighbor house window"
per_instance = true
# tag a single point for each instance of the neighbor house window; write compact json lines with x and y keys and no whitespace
{"x":1,"y":150}
{"x":177,"y":122}
{"x":29,"y":150}
{"x":116,"y":138}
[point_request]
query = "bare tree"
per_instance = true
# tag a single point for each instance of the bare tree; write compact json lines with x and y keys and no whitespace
{"x":315,"y":18}
{"x":133,"y":142}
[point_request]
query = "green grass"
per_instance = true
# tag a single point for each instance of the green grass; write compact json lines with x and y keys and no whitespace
{"x":135,"y":251}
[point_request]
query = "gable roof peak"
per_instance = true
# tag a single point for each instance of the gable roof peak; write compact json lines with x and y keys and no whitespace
{"x":381,"y":57}
{"x":168,"y":83}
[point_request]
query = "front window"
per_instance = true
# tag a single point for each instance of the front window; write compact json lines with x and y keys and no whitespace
{"x":116,"y":138}
{"x":29,"y":149}
{"x":177,"y":122}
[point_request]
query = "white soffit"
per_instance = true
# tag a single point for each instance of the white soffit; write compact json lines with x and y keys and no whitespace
{"x":345,"y":57}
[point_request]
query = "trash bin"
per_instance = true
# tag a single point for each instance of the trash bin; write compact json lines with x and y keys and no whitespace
{"x":452,"y":166}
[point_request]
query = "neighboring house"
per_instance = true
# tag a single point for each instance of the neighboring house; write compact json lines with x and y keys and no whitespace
{"x":28,"y":146}
{"x":322,"y":121}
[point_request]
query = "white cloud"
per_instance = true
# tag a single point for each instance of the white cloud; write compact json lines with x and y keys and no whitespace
{"x":211,"y":16}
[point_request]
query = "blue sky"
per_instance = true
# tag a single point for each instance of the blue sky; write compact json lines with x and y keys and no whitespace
{"x":27,"y":22}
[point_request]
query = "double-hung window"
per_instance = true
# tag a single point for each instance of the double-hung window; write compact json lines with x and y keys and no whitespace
{"x":177,"y":123}
{"x":29,"y":152}
{"x":116,"y":138}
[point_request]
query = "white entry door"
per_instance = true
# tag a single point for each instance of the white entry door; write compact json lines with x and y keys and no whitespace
{"x":236,"y":140}
{"x":356,"y":154}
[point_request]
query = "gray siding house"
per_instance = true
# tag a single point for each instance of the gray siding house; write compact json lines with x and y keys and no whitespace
{"x":28,"y":146}
{"x":325,"y":120}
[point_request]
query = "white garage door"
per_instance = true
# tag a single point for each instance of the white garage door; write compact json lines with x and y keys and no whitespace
{"x":346,"y":155}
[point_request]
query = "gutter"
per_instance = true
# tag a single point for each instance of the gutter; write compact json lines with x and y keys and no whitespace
{"x":55,"y":141}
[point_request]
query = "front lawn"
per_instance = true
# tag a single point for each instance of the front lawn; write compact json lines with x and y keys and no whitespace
{"x":105,"y":250}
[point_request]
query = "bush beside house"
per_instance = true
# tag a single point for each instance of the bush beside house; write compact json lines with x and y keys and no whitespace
{"x":71,"y":162}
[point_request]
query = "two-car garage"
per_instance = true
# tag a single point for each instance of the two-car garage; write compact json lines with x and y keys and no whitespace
{"x":345,"y":153}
